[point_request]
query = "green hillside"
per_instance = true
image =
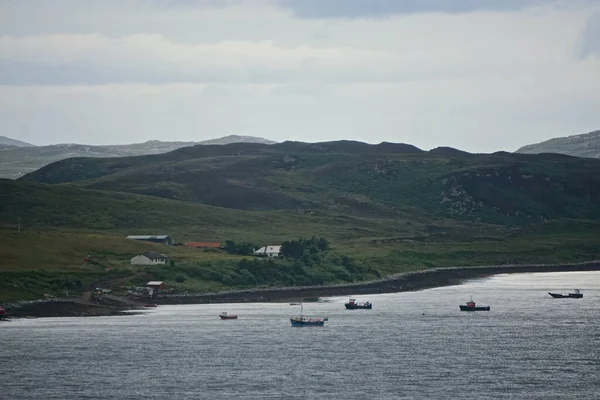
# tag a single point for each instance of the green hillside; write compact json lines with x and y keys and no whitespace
{"x":383,"y":208}
{"x":351,"y":177}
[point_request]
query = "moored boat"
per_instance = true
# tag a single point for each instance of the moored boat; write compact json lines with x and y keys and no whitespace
{"x":225,"y":315}
{"x":352,"y":304}
{"x":576,"y":294}
{"x":3,"y":313}
{"x":472,"y":306}
{"x":149,"y":305}
{"x":302,"y":320}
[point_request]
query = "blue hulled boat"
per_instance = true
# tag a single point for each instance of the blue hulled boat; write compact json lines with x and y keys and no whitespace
{"x":303,"y":320}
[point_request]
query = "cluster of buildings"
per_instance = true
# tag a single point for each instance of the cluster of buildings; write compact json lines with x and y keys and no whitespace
{"x":155,"y":258}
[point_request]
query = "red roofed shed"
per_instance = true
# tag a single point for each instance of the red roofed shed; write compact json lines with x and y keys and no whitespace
{"x":203,"y":245}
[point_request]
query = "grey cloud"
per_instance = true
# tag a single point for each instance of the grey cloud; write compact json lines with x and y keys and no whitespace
{"x":194,"y":3}
{"x":385,"y":8}
{"x":301,"y":89}
{"x":590,"y":44}
{"x":21,"y":74}
{"x":111,"y":17}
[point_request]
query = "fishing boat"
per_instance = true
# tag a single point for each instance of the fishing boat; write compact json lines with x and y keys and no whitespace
{"x":471,"y":306}
{"x":352,"y":304}
{"x":575,"y":295}
{"x":302,"y":320}
{"x":225,"y":315}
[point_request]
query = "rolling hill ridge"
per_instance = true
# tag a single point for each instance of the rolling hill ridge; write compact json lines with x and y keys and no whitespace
{"x":584,"y":145}
{"x":350,"y":177}
{"x":8,"y":143}
{"x":17,"y":160}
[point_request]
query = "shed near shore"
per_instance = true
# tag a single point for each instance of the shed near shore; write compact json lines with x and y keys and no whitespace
{"x":156,"y":285}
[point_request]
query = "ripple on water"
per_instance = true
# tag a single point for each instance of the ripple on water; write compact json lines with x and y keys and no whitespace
{"x":527,"y":346}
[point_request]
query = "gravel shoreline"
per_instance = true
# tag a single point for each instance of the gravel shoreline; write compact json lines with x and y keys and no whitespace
{"x":409,"y":281}
{"x":62,"y":308}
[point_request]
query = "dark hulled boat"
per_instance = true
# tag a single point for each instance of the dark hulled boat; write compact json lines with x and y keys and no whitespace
{"x":352,"y":304}
{"x":575,"y":295}
{"x":471,"y":306}
{"x":225,"y":315}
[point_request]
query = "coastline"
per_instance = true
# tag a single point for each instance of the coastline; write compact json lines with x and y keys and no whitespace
{"x":403,"y":282}
{"x":64,"y":308}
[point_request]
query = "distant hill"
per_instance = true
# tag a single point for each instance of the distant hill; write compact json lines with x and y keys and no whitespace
{"x":6,"y":142}
{"x":352,"y":178}
{"x":237,"y":139}
{"x":16,"y":161}
{"x":585,"y":145}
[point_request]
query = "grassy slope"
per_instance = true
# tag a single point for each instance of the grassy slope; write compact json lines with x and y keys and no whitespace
{"x":60,"y":225}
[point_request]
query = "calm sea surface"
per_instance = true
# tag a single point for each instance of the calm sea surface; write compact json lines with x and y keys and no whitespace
{"x":411,"y":345}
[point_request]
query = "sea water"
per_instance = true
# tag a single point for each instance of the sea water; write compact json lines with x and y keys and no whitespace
{"x":412,"y":345}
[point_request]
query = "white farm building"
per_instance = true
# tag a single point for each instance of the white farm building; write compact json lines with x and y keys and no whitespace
{"x":149,"y":258}
{"x":269,"y":251}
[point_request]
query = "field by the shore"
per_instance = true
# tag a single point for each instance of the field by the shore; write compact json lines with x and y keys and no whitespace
{"x":36,"y":265}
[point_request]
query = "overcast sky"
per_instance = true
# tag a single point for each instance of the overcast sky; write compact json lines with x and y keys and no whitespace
{"x":479,"y":75}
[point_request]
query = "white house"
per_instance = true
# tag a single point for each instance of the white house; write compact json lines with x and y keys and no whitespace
{"x":149,"y":258}
{"x":269,"y":251}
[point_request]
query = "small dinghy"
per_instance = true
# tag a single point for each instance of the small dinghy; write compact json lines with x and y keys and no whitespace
{"x":225,"y":315}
